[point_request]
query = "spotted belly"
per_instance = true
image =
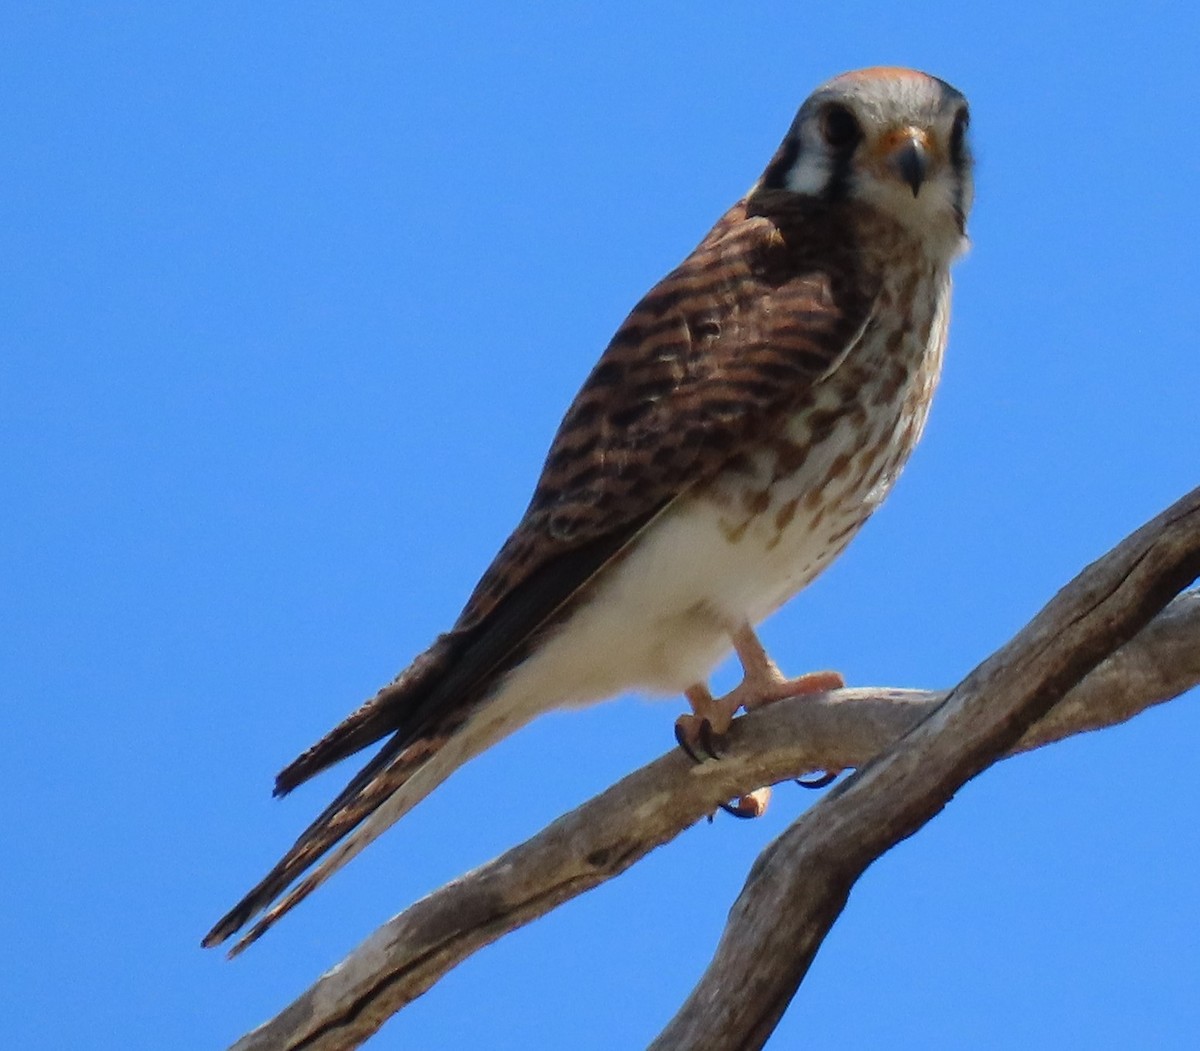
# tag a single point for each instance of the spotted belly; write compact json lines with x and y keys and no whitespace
{"x":735,"y":548}
{"x":729,"y":553}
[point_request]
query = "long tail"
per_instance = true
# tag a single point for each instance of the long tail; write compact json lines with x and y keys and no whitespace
{"x":418,"y":735}
{"x":428,"y":711}
{"x":383,"y":792}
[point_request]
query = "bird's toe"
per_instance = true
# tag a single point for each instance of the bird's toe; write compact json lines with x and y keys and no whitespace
{"x":823,"y":780}
{"x":695,"y":735}
{"x":751,"y":805}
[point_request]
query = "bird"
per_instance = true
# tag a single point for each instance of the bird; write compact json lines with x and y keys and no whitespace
{"x":748,"y":416}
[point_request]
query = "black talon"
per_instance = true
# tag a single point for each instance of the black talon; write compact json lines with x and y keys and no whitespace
{"x":824,"y":781}
{"x":685,"y":745}
{"x":707,"y":740}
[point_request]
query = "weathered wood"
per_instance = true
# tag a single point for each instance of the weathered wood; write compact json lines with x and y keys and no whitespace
{"x":917,"y":747}
{"x":800,"y":883}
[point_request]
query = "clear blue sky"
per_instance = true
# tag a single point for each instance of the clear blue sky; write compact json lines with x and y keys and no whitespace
{"x":293,"y":298}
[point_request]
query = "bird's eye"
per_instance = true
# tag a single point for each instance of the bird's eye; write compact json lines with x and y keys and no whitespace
{"x":840,"y":128}
{"x":958,"y":136}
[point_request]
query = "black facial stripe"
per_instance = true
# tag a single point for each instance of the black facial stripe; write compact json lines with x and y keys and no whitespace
{"x":775,"y":177}
{"x":960,"y":213}
{"x":838,"y":186}
{"x":958,"y":135}
{"x":958,"y":158}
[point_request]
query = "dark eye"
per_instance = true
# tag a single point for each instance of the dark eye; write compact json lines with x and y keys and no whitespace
{"x":840,"y":128}
{"x":958,"y":136}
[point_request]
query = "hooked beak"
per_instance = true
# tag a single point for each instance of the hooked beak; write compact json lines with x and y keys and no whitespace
{"x":910,"y":160}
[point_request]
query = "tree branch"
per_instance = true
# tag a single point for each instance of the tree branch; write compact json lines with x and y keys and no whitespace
{"x":1051,"y":681}
{"x":800,"y":883}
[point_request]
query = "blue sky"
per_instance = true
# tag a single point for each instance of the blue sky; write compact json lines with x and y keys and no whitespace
{"x":294,"y":297}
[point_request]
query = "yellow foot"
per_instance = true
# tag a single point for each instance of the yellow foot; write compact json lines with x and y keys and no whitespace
{"x":762,"y":681}
{"x":781,"y":689}
{"x":699,"y":733}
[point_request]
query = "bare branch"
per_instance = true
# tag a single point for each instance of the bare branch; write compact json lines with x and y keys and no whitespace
{"x":800,"y":883}
{"x":931,"y":743}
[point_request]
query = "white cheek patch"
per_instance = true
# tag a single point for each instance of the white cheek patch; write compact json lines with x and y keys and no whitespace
{"x":810,"y":174}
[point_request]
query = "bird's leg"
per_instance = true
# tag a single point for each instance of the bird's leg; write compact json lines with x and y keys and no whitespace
{"x":772,"y":685}
{"x":762,"y":683}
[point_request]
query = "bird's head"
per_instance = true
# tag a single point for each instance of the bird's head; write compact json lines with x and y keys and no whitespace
{"x":893,"y":138}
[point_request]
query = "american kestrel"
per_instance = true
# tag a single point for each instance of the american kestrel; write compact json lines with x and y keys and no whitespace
{"x":746,"y":419}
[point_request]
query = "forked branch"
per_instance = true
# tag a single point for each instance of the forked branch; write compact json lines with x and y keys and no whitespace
{"x":1101,"y":651}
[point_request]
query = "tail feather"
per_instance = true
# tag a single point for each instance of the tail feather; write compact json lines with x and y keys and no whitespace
{"x":420,"y":726}
{"x":380,"y":805}
{"x":429,"y":711}
{"x":385,"y":713}
{"x":384,"y":774}
{"x":384,"y":791}
{"x":398,"y":710}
